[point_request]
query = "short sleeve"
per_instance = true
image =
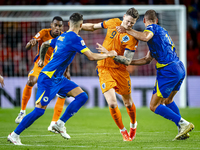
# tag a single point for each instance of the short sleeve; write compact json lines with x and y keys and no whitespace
{"x":107,"y":23}
{"x":52,"y":42}
{"x":150,"y":28}
{"x":79,"y":45}
{"x":39,"y":35}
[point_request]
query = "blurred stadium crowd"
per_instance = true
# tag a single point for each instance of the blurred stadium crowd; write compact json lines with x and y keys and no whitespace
{"x":13,"y":38}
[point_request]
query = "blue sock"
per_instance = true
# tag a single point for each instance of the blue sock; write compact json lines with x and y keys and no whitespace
{"x":168,"y":114}
{"x":74,"y":106}
{"x":29,"y":119}
{"x":174,"y":108}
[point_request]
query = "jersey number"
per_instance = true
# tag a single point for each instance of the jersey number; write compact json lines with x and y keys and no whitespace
{"x":170,"y":41}
{"x":113,"y":34}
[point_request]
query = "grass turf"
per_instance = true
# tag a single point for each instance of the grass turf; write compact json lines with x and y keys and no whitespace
{"x":94,"y":129}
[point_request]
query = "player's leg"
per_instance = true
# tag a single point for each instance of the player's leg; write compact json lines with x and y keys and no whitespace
{"x":57,"y":112}
{"x":131,"y":110}
{"x":110,"y":97}
{"x":43,"y":97}
{"x":32,"y":80}
{"x":71,"y":89}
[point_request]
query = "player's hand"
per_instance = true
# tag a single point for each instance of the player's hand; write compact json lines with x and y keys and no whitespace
{"x":112,"y":53}
{"x":33,"y":42}
{"x":1,"y":81}
{"x":40,"y":63}
{"x":102,"y":49}
{"x":121,"y":29}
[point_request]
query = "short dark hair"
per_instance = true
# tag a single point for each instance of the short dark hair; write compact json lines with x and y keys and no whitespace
{"x":133,"y":13}
{"x":151,"y":15}
{"x":57,"y":18}
{"x":76,"y":17}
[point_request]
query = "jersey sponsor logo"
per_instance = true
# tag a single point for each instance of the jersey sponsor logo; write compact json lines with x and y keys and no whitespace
{"x":82,"y":43}
{"x":61,"y":38}
{"x":125,"y":38}
{"x":37,"y":35}
{"x":103,"y":85}
{"x":45,"y":99}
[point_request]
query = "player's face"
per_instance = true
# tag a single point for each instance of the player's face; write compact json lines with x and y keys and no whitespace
{"x":56,"y":27}
{"x":128,"y":21}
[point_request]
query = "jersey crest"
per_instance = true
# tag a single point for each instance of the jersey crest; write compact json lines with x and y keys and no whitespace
{"x":125,"y":38}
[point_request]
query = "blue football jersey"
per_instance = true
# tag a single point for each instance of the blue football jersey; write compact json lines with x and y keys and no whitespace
{"x":161,"y":46}
{"x":65,"y":48}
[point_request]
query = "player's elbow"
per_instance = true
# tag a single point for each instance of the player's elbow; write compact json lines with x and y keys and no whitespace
{"x":91,"y":58}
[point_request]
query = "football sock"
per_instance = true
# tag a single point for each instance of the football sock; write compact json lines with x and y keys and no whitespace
{"x":124,"y":129}
{"x":168,"y":114}
{"x":133,"y":125}
{"x":132,"y":113}
{"x":29,"y":119}
{"x":58,"y":108}
{"x":74,"y":106}
{"x":116,"y":115}
{"x":174,"y":107}
{"x":26,"y":96}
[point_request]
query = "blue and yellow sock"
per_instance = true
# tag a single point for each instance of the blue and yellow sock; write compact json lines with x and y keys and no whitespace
{"x":74,"y":106}
{"x":29,"y":119}
{"x":168,"y":114}
{"x":174,"y":108}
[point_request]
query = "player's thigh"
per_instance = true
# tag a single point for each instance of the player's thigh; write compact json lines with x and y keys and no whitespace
{"x":105,"y":79}
{"x":123,"y":81}
{"x":69,"y":88}
{"x":35,"y":71}
{"x":170,"y":98}
{"x":47,"y":90}
{"x":110,"y":97}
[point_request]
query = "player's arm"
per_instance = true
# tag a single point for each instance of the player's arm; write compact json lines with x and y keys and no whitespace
{"x":142,"y":36}
{"x":91,"y":26}
{"x":97,"y":56}
{"x":67,"y":72}
{"x":142,"y":61}
{"x":126,"y":59}
{"x":43,"y":49}
{"x":31,"y":43}
{"x":2,"y":81}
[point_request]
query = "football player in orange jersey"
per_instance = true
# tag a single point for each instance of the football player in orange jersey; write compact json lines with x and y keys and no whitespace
{"x":40,"y":37}
{"x":113,"y":76}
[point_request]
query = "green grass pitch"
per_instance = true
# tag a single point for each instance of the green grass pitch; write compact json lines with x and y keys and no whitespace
{"x":94,"y":129}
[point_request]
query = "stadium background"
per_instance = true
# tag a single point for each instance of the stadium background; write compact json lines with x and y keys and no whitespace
{"x":15,"y":62}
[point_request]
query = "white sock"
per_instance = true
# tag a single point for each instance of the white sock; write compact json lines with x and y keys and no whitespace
{"x":14,"y":134}
{"x":124,"y":129}
{"x":60,"y":123}
{"x":183,"y":122}
{"x":23,"y":111}
{"x":133,"y":125}
{"x":52,"y":123}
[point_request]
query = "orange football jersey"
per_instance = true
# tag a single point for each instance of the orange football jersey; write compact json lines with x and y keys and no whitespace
{"x":44,"y":35}
{"x":116,"y":41}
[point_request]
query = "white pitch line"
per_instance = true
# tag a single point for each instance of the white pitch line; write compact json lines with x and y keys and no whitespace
{"x":81,"y":146}
{"x":138,"y":133}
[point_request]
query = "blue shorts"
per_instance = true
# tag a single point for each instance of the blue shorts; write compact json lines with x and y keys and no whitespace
{"x":169,"y":78}
{"x":49,"y":87}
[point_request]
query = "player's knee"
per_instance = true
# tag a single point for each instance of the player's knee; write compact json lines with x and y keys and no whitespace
{"x":152,"y":108}
{"x":112,"y":105}
{"x":31,"y":82}
{"x":83,"y":97}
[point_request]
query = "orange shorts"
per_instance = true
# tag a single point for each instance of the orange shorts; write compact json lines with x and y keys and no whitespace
{"x":114,"y":78}
{"x":35,"y":71}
